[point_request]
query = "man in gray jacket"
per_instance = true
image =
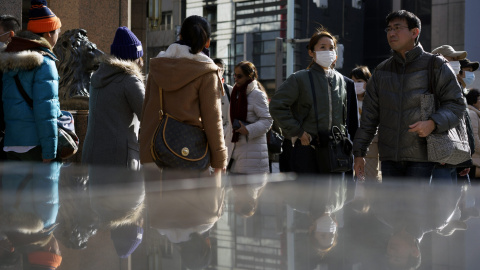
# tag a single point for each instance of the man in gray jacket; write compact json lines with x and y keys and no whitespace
{"x":392,"y":103}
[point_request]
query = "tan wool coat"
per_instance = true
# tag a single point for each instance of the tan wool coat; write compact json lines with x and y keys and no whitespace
{"x":191,"y":93}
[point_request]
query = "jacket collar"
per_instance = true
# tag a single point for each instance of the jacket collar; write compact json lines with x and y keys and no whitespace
{"x":410,"y":56}
{"x":183,"y":51}
{"x":251,"y":86}
{"x":128,"y":67}
{"x":24,"y":60}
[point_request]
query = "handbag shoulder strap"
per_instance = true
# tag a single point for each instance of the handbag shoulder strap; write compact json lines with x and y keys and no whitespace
{"x":314,"y":97}
{"x":432,"y":83}
{"x":22,"y":91}
{"x":160,"y":112}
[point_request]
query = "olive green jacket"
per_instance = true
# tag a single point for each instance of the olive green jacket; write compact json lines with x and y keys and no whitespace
{"x":292,"y":105}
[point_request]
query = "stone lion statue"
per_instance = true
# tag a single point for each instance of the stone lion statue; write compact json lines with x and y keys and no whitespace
{"x":78,"y":58}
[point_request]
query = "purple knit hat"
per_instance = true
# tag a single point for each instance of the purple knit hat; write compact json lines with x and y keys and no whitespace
{"x":126,"y":45}
{"x":126,"y":239}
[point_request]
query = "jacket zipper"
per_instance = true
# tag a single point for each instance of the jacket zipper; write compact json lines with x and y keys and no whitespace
{"x":401,"y":109}
{"x":330,"y":113}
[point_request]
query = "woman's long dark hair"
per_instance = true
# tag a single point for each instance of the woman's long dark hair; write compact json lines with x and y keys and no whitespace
{"x":196,"y":30}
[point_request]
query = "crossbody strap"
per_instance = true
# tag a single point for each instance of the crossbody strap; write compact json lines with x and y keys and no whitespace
{"x":22,"y":91}
{"x":314,"y":97}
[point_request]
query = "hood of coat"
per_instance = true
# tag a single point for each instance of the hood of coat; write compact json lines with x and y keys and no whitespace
{"x":24,"y":60}
{"x":109,"y":69}
{"x":177,"y":67}
{"x":25,"y":52}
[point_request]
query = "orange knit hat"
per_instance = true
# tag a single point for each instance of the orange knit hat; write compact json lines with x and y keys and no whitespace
{"x":41,"y":18}
{"x":44,"y":260}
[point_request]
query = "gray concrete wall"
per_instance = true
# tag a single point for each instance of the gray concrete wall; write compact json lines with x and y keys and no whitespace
{"x":448,"y":25}
{"x":11,"y":7}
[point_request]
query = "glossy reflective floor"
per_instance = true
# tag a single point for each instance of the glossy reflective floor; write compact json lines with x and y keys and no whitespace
{"x":110,"y":218}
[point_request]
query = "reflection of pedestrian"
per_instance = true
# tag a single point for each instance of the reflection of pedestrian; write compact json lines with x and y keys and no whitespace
{"x":392,"y":104}
{"x":191,"y":89}
{"x":316,"y":203}
{"x":117,"y":197}
{"x":30,"y":206}
{"x":116,"y":97}
{"x":31,"y":133}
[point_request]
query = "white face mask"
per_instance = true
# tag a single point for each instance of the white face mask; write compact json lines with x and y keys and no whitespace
{"x":455,"y":65}
{"x":469,"y":78}
{"x":359,"y":88}
{"x":325,"y":58}
{"x":326,"y":224}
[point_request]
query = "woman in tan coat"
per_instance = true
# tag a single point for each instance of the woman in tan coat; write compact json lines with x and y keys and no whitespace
{"x":191,"y":90}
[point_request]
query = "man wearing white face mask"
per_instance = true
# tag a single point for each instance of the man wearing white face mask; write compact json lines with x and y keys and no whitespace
{"x":9,"y":25}
{"x":392,"y":104}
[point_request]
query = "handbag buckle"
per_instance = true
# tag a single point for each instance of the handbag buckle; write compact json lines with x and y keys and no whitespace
{"x":185,"y":151}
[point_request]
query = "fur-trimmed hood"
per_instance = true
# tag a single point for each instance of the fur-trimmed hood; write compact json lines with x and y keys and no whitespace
{"x":111,"y":67}
{"x":25,"y":60}
{"x":176,"y":67}
{"x":25,"y":52}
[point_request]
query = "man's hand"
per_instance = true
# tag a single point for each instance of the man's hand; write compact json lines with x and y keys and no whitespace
{"x":359,"y":167}
{"x":464,"y":172}
{"x":422,"y":128}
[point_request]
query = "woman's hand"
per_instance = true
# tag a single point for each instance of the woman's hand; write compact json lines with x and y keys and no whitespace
{"x":243,"y":129}
{"x":305,"y":139}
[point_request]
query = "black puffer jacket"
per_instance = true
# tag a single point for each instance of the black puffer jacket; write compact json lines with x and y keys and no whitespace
{"x":392,"y":102}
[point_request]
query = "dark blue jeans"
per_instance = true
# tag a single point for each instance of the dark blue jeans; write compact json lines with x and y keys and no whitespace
{"x":417,"y":171}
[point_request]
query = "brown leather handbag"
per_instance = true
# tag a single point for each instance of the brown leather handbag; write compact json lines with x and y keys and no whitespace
{"x":178,"y":145}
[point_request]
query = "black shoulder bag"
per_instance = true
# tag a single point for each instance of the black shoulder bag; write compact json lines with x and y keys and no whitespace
{"x":340,"y":156}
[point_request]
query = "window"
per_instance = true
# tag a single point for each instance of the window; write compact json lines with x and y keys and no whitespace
{"x":357,"y":4}
{"x":167,"y":21}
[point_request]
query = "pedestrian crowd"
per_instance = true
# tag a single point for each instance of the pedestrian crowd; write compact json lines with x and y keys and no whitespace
{"x":370,"y":125}
{"x":374,"y":118}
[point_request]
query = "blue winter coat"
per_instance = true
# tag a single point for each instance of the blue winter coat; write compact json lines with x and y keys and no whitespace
{"x":39,"y":77}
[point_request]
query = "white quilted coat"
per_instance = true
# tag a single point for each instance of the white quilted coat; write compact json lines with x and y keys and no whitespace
{"x":251,"y":155}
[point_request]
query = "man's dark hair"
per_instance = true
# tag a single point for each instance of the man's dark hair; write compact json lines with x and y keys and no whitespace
{"x":9,"y":23}
{"x":412,"y":20}
{"x":219,"y":61}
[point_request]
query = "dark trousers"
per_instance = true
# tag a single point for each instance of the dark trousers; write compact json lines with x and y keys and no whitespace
{"x":34,"y":154}
{"x":419,"y":171}
{"x":285,"y":158}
